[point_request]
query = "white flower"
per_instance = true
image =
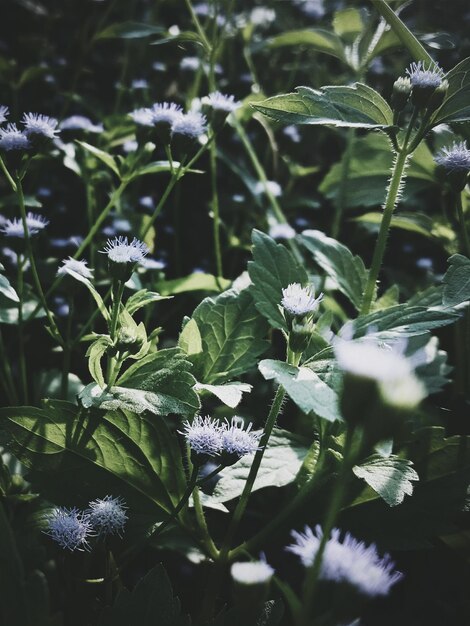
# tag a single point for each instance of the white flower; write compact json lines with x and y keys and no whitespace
{"x":120,"y":250}
{"x":347,"y":560}
{"x":427,"y":77}
{"x":37,"y":125}
{"x":237,"y":441}
{"x":13,"y":139}
{"x":282,"y":231}
{"x":80,"y":122}
{"x":4,"y":112}
{"x":455,"y":158}
{"x":191,"y":124}
{"x":270,"y":185}
{"x":261,"y":16}
{"x":69,"y":528}
{"x":142,"y":117}
{"x":204,"y":435}
{"x":300,"y":301}
{"x":166,"y":112}
{"x":107,"y":515}
{"x":34,"y":223}
{"x":220,"y":102}
{"x":252,"y":572}
{"x":74,"y":265}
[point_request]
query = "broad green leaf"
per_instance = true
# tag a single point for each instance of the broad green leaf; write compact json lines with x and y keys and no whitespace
{"x":103,"y":156}
{"x":95,"y":353}
{"x":357,"y":106}
{"x":390,"y":477}
{"x":281,"y":462}
{"x":151,"y":602}
{"x":7,"y":290}
{"x":311,"y":394}
{"x":190,"y":340}
{"x":74,"y":456}
{"x":230,"y":394}
{"x":412,"y":222}
{"x":232,"y":333}
{"x":161,"y":382}
{"x":193,"y":282}
{"x":456,"y":106}
{"x":128,"y":30}
{"x":315,"y":38}
{"x":346,"y":270}
{"x":457,"y":281}
{"x":273,"y":268}
{"x":415,"y":48}
{"x":143,"y":298}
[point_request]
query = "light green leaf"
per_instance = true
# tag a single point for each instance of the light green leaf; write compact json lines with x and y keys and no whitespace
{"x":273,"y":268}
{"x":74,"y":456}
{"x":165,"y":381}
{"x":304,"y":387}
{"x":128,"y":30}
{"x":155,"y":167}
{"x":95,"y":353}
{"x":456,"y":106}
{"x":190,"y":339}
{"x":232,"y":333}
{"x":315,"y":38}
{"x":357,"y":106}
{"x":282,"y":460}
{"x":230,"y":394}
{"x":103,"y":156}
{"x":457,"y":281}
{"x":390,"y":477}
{"x":143,"y":298}
{"x":7,"y":290}
{"x":348,"y":24}
{"x":411,"y":222}
{"x":346,"y":270}
{"x":193,"y":282}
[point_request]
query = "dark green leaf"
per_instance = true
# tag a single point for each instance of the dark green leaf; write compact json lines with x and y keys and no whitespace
{"x":357,"y":106}
{"x":273,"y":268}
{"x":457,"y":281}
{"x":315,"y":38}
{"x":348,"y":24}
{"x":456,"y":106}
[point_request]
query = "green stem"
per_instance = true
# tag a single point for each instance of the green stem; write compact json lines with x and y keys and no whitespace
{"x":32,"y":262}
{"x":8,"y":377}
{"x":390,"y":203}
{"x":173,"y":180}
{"x":216,"y":212}
{"x":197,"y":24}
{"x":312,"y":575}
{"x":8,"y":176}
{"x":21,"y":342}
{"x":343,"y":184}
{"x":208,"y":543}
{"x":463,"y":228}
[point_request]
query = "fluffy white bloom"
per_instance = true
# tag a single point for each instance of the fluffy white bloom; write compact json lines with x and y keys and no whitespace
{"x":107,"y":516}
{"x":204,"y":435}
{"x":191,"y":124}
{"x":13,"y":139}
{"x":166,"y":112}
{"x":69,"y":528}
{"x":270,"y":185}
{"x":220,"y":102}
{"x":142,"y":117}
{"x":120,"y":250}
{"x":347,"y":561}
{"x":300,"y":301}
{"x":427,"y":77}
{"x":455,"y":158}
{"x":34,"y":223}
{"x":236,"y":440}
{"x":37,"y":125}
{"x":262,"y":16}
{"x":252,"y":572}
{"x":80,"y":122}
{"x":74,"y":265}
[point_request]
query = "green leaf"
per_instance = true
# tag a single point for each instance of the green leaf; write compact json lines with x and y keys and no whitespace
{"x":456,"y":106}
{"x":143,"y":298}
{"x":103,"y":156}
{"x":151,"y":602}
{"x":190,"y":339}
{"x":96,"y":296}
{"x":315,"y":38}
{"x":416,"y":49}
{"x":7,"y":290}
{"x":281,"y":462}
{"x":457,"y":281}
{"x":411,"y":222}
{"x":357,"y":106}
{"x":304,"y":387}
{"x":348,"y":24}
{"x":273,"y":268}
{"x":75,"y":456}
{"x":185,"y":36}
{"x":232,"y":333}
{"x":230,"y":394}
{"x":165,"y":383}
{"x":347,"y":270}
{"x":193,"y":282}
{"x":155,"y":167}
{"x":129,"y":30}
{"x":390,"y":477}
{"x":95,"y":353}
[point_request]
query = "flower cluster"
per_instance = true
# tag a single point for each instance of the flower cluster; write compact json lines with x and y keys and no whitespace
{"x":14,"y":228}
{"x":38,"y":131}
{"x":228,"y":442}
{"x":426,"y":84}
{"x":347,"y":560}
{"x":72,"y":529}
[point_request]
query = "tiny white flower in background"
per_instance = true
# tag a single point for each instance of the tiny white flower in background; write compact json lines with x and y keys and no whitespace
{"x":36,"y":124}
{"x":300,"y":301}
{"x":220,"y":102}
{"x":74,"y":265}
{"x":69,"y":528}
{"x":13,"y":139}
{"x":282,"y":231}
{"x":34,"y":223}
{"x":139,"y":83}
{"x":261,"y":16}
{"x":271,"y":185}
{"x":4,"y":113}
{"x":292,"y":132}
{"x":190,"y":63}
{"x":204,"y":435}
{"x":191,"y":124}
{"x":120,"y":250}
{"x":142,"y":117}
{"x":152,"y":264}
{"x":311,"y":8}
{"x":237,"y":440}
{"x":252,"y":572}
{"x":107,"y":516}
{"x":347,"y":560}
{"x":80,"y":122}
{"x":165,"y":112}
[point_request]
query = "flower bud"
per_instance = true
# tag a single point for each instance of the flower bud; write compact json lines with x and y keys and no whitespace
{"x":401,"y":93}
{"x":438,"y":97}
{"x":300,"y":334}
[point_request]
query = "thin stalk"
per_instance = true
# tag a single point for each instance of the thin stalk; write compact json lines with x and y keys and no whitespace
{"x":312,"y":575}
{"x":8,"y":176}
{"x":114,"y":362}
{"x":8,"y":376}
{"x":216,"y":213}
{"x":463,"y":228}
{"x":207,"y":541}
{"x":390,"y":203}
{"x":343,"y":183}
{"x":32,"y":262}
{"x":197,"y":24}
{"x":173,"y":180}
{"x":21,"y":342}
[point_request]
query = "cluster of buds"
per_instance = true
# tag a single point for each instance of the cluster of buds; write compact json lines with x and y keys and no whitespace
{"x":426,"y":86}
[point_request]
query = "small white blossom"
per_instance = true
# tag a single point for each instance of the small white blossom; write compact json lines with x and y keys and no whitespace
{"x":252,"y":572}
{"x":120,"y":250}
{"x":74,"y":265}
{"x":427,"y":77}
{"x":220,"y":102}
{"x":166,"y":112}
{"x":80,"y":122}
{"x":261,"y":16}
{"x":107,"y":516}
{"x":455,"y":158}
{"x":300,"y":301}
{"x":238,"y":441}
{"x":191,"y":124}
{"x":34,"y":223}
{"x":271,"y":186}
{"x":142,"y":117}
{"x":69,"y":528}
{"x":38,"y":125}
{"x":139,"y":83}
{"x":13,"y":139}
{"x":347,"y":561}
{"x":204,"y":435}
{"x":282,"y":231}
